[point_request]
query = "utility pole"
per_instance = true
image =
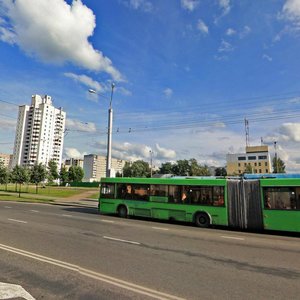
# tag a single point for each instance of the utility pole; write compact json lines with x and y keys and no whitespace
{"x":276,"y":160}
{"x":151,"y":155}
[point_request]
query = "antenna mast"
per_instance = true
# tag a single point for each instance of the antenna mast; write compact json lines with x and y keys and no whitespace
{"x":247,"y":132}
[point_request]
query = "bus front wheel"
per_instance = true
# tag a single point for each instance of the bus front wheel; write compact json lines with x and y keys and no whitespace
{"x":202,"y":220}
{"x":122,"y":211}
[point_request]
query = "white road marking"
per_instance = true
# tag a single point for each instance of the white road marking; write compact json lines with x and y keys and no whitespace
{"x":107,"y":221}
{"x":19,"y":221}
{"x":67,"y":215}
{"x":9,"y":291}
{"x":120,"y":240}
{"x":232,"y":237}
{"x":33,"y":210}
{"x":7,"y":206}
{"x":91,"y":274}
{"x":160,"y":228}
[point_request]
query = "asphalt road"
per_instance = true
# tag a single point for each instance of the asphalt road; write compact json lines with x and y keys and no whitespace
{"x":60,"y":252}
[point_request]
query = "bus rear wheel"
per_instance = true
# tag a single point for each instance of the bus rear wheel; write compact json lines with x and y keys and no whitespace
{"x":122,"y":211}
{"x":202,"y":220}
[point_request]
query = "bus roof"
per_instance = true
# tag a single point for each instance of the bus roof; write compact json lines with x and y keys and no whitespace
{"x":172,"y":180}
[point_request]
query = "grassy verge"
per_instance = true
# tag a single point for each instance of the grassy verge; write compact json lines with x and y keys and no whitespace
{"x":51,"y":191}
{"x":23,"y":198}
{"x":95,"y":196}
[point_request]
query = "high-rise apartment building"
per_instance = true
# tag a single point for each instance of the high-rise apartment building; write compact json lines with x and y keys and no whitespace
{"x":256,"y":158}
{"x":39,"y":133}
{"x":94,"y":167}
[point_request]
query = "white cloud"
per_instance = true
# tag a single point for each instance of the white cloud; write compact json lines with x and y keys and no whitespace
{"x":291,"y":10}
{"x":76,"y":125}
{"x":290,"y":131}
{"x":168,"y":92}
{"x":225,"y":47}
{"x":123,"y":91}
{"x":143,"y":5}
{"x":189,"y":4}
{"x":55,"y":33}
{"x":246,"y":30}
{"x":86,"y":80}
{"x":225,"y":5}
{"x":202,"y":27}
{"x":267,"y":57}
{"x":230,"y":32}
{"x":74,"y":153}
{"x":163,"y":153}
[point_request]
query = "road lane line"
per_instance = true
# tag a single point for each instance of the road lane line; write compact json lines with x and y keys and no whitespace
{"x":160,"y":228}
{"x":66,"y":215}
{"x":33,"y":210}
{"x":107,"y":221}
{"x":232,"y":237}
{"x":120,"y":240}
{"x":95,"y":275}
{"x":7,"y":206}
{"x":19,"y":221}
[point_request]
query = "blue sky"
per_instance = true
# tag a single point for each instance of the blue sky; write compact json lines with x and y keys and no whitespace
{"x":187,"y":73}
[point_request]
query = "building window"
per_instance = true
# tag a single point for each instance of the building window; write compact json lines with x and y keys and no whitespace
{"x":251,"y":157}
{"x":242,"y":158}
{"x":262,"y":157}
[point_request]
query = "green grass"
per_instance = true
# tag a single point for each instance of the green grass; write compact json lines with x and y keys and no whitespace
{"x":51,"y":191}
{"x":94,"y":196}
{"x":23,"y":198}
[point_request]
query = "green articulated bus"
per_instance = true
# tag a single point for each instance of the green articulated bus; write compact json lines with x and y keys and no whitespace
{"x":243,"y":203}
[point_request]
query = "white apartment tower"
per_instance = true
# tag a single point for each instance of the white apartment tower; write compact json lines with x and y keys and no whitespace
{"x":39,"y":133}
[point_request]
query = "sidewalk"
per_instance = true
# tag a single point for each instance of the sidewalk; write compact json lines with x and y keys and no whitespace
{"x":79,"y":200}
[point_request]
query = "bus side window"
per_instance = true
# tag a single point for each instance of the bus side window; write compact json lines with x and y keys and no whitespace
{"x":174,"y":194}
{"x":107,"y":190}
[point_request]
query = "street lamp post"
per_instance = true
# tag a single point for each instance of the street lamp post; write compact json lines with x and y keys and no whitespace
{"x":276,"y":161}
{"x":151,"y":155}
{"x":109,"y":132}
{"x":109,"y":135}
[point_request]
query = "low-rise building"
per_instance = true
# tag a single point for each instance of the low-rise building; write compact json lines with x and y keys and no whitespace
{"x":94,"y":167}
{"x":73,"y":162}
{"x":257,"y":157}
{"x":6,"y":159}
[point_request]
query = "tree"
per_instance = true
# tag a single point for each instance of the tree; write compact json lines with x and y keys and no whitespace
{"x":248,"y":169}
{"x":52,"y":171}
{"x":166,"y":168}
{"x":198,"y":170}
{"x":4,"y":175}
{"x":38,"y":174}
{"x":138,"y":168}
{"x":63,"y":175}
{"x":278,"y":165}
{"x":220,"y":171}
{"x":76,"y":174}
{"x":127,"y":172}
{"x":20,"y":175}
{"x":181,"y":168}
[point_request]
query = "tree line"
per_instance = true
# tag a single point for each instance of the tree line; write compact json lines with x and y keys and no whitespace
{"x":182,"y":167}
{"x":38,"y":174}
